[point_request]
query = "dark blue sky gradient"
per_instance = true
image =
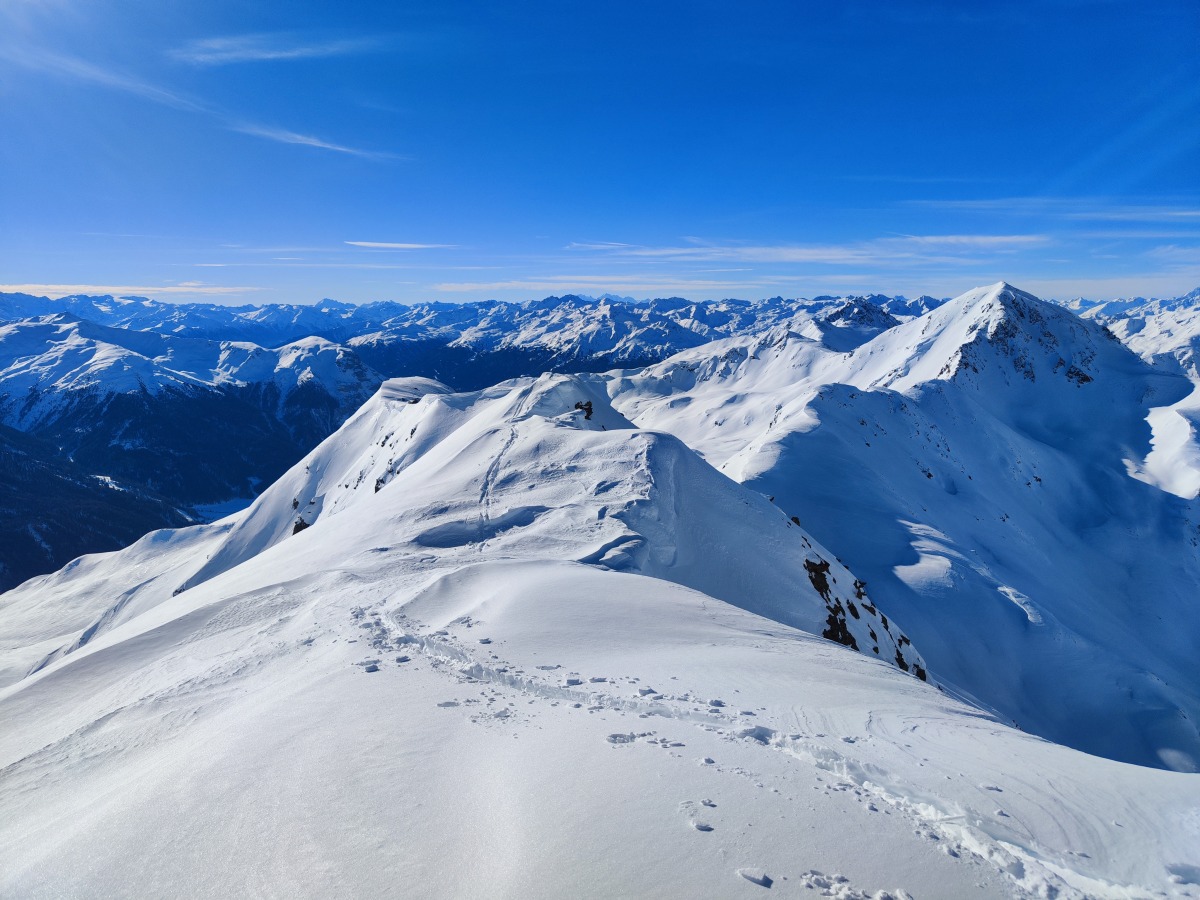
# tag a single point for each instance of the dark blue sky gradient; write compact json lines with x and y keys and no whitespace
{"x":230,"y":150}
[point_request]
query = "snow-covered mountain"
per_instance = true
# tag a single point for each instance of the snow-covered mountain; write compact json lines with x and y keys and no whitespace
{"x":49,"y":361}
{"x":508,"y":643}
{"x":187,"y":420}
{"x":197,"y":420}
{"x":977,"y":467}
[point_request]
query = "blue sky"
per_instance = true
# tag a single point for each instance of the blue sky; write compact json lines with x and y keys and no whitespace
{"x":448,"y":151}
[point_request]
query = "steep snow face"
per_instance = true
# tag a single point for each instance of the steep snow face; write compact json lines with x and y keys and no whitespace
{"x":1032,"y":364}
{"x":958,"y":464}
{"x":311,"y":362}
{"x":499,"y":643}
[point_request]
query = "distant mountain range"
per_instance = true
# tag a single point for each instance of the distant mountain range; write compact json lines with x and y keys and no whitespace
{"x":202,"y":406}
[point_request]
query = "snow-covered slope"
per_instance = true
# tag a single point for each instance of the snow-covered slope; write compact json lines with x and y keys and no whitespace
{"x":974,"y":466}
{"x":523,"y":649}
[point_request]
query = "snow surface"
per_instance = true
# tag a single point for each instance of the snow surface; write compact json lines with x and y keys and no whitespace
{"x":519,"y":652}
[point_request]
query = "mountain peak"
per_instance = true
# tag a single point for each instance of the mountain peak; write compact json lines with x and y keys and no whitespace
{"x":860,"y":312}
{"x":997,"y":333}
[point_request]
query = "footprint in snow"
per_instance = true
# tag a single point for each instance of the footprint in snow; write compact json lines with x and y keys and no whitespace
{"x":758,"y":733}
{"x":756,"y":876}
{"x":839,"y":886}
{"x":691,"y":811}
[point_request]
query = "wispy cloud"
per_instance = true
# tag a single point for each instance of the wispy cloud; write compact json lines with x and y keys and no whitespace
{"x":1143,"y":284}
{"x":635,"y":284}
{"x":390,"y":245}
{"x":990,"y":241}
{"x":128,"y":290}
{"x":1174,"y":253}
{"x":1142,"y":234}
{"x":944,"y":248}
{"x":82,"y":70}
{"x":1095,"y":209}
{"x":242,"y":48}
{"x":283,"y":136}
{"x":1140,"y":214}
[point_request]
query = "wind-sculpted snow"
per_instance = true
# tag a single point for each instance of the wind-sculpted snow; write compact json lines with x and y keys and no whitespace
{"x":975,"y":467}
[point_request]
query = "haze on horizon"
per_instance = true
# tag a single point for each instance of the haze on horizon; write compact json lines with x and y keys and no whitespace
{"x":418,"y":151}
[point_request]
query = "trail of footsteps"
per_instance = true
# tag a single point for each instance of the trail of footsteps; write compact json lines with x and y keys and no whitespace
{"x":959,"y":831}
{"x":933,"y":819}
{"x":398,"y":633}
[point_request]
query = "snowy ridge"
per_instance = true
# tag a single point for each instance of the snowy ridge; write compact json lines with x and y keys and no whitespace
{"x":652,"y":506}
